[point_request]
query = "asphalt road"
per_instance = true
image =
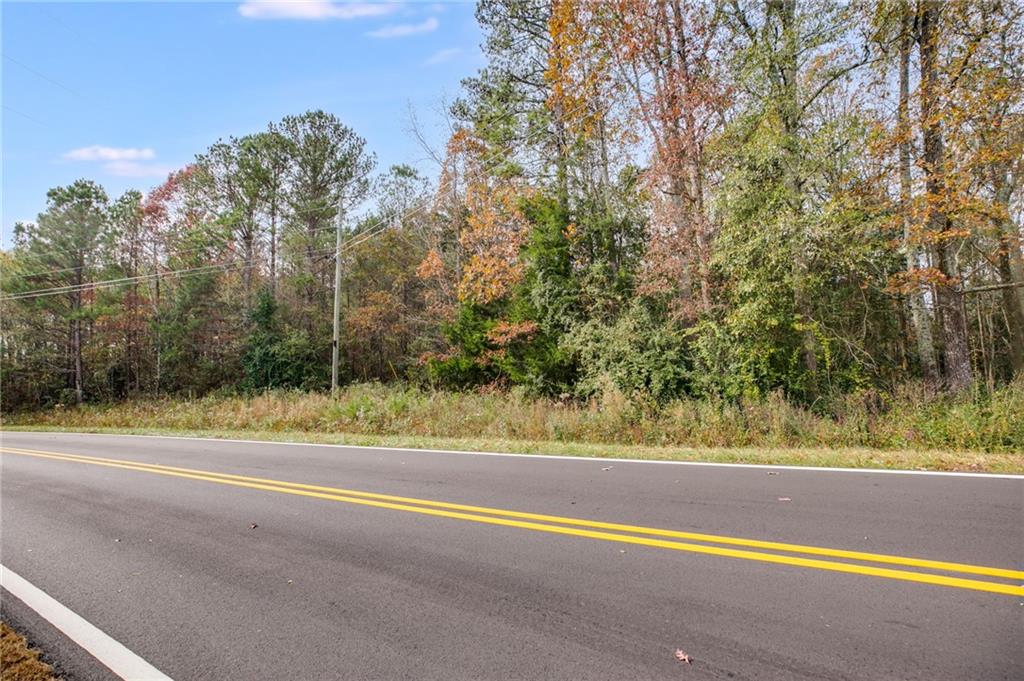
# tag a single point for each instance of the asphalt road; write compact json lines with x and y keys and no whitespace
{"x":343,"y":585}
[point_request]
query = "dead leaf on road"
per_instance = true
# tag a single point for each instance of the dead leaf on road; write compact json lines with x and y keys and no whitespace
{"x":253,"y":526}
{"x":683,"y":657}
{"x":608,"y":468}
{"x":785,"y":499}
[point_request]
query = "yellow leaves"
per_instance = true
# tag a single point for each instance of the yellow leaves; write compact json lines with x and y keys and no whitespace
{"x":487,"y":278}
{"x":570,"y":232}
{"x":577,"y":66}
{"x":493,"y":236}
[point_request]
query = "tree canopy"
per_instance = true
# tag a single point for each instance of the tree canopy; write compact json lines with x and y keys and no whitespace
{"x":723,"y":199}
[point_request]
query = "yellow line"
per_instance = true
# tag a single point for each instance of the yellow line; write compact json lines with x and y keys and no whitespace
{"x":634,"y":529}
{"x":940,"y":580}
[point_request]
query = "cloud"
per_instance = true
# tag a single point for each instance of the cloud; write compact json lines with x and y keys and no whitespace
{"x":313,"y":10}
{"x":136,"y":169}
{"x":101,"y":153}
{"x":121,"y":161}
{"x":442,"y":56}
{"x":402,"y":30}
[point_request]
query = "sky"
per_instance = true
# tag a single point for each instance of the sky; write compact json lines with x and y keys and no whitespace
{"x":125,"y":92}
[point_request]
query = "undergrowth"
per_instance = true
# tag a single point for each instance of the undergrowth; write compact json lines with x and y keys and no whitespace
{"x":911,"y":418}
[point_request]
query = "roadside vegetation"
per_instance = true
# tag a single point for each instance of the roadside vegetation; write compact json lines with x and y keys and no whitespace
{"x":915,"y":428}
{"x":18,"y":662}
{"x":742,"y":225}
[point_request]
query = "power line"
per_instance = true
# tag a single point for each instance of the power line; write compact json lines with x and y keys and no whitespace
{"x":43,"y":76}
{"x":25,"y":115}
{"x":169,"y":252}
{"x":376,"y":228}
{"x":150,"y":276}
{"x":192,"y":271}
{"x":108,"y":283}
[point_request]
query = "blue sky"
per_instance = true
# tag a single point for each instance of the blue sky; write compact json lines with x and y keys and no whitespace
{"x":124,"y":92}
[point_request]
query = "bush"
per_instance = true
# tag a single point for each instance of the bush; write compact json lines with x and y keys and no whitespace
{"x":911,"y":418}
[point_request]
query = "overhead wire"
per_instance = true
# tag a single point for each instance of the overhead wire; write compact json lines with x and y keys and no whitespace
{"x":379,"y":226}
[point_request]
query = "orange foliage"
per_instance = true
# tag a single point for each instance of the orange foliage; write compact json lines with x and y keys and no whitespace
{"x":432,"y":266}
{"x":578,"y":66}
{"x":494,"y":229}
{"x":505,"y":333}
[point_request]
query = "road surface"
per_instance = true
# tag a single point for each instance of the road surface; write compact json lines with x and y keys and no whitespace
{"x":242,"y":560}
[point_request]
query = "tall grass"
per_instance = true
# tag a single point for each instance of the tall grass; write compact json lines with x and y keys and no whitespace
{"x":911,"y":419}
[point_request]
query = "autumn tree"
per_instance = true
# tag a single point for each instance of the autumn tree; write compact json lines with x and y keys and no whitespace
{"x":665,"y":56}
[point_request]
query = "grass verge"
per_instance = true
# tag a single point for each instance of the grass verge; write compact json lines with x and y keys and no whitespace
{"x":849,"y":457}
{"x":910,"y":428}
{"x":18,"y":662}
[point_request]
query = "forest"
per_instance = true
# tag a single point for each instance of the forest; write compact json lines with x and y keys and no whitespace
{"x":723,"y":201}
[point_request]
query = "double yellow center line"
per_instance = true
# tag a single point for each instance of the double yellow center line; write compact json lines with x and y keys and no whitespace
{"x":716,"y":545}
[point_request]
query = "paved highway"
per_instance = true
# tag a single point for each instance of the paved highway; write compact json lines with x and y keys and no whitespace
{"x":241,"y":560}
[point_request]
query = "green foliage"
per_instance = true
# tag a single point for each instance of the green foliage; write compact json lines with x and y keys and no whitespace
{"x":276,"y":357}
{"x":724,"y":236}
{"x":465,"y":367}
{"x":640,"y":354}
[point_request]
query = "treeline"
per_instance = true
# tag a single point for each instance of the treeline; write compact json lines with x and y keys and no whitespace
{"x":657,"y":198}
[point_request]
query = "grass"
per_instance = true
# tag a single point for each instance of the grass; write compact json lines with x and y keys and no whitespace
{"x":18,"y":662}
{"x":913,"y":429}
{"x":976,"y":462}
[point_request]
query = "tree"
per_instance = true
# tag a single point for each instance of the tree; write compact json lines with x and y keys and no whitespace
{"x":127,"y":221}
{"x":914,"y":253}
{"x":949,"y":293}
{"x":665,"y":55}
{"x":269,"y":151}
{"x":67,"y":248}
{"x":329,"y":170}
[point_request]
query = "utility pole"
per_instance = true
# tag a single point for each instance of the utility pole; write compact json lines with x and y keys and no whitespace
{"x":336,"y":337}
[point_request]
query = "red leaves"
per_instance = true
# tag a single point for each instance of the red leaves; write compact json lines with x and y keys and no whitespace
{"x":505,"y":333}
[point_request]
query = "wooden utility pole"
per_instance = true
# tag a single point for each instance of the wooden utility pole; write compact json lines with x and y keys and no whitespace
{"x":336,"y":336}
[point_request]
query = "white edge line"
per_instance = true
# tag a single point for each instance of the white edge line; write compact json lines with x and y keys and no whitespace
{"x":558,"y":457}
{"x":112,"y":654}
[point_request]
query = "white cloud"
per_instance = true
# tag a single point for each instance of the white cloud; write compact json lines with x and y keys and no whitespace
{"x":402,"y":30}
{"x":121,"y":161}
{"x":101,"y":153}
{"x":313,"y":10}
{"x":442,"y":56}
{"x":136,"y":169}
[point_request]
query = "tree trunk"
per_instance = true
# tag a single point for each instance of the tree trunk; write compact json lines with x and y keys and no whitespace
{"x":273,"y":249}
{"x":1013,"y":308}
{"x":789,"y":112}
{"x":919,"y":313}
{"x":248,"y":239}
{"x":694,"y":161}
{"x":949,"y":295}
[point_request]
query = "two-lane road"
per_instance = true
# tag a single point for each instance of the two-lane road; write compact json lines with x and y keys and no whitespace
{"x":393,"y":564}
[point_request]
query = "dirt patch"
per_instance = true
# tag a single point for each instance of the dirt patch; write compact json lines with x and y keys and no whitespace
{"x":18,"y":662}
